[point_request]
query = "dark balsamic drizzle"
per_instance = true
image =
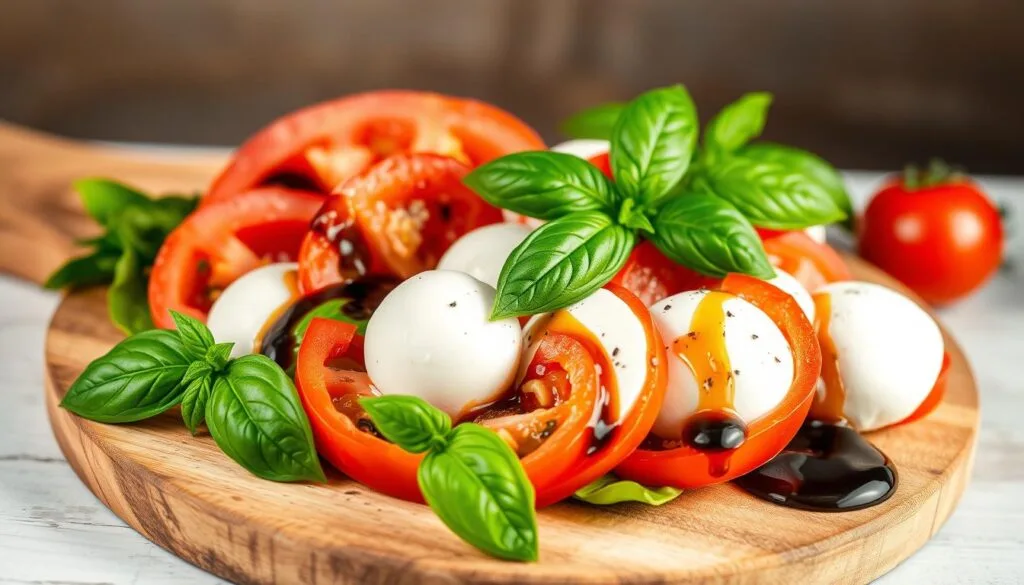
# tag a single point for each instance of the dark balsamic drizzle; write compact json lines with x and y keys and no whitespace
{"x":365,"y":295}
{"x":346,"y":236}
{"x":825,"y":468}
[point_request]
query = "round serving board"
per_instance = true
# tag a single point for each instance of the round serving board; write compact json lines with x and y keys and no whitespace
{"x":185,"y":495}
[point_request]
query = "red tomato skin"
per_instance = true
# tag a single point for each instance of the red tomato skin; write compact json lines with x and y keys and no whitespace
{"x":943,"y":242}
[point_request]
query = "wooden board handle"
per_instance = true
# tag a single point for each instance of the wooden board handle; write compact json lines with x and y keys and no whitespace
{"x":40,"y":216}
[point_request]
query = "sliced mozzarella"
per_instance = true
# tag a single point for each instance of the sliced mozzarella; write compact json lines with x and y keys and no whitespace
{"x":432,"y":337}
{"x":620,"y":334}
{"x":759,"y":355}
{"x":583,"y":148}
{"x":244,"y":307}
{"x":890,"y":351}
{"x":791,"y":286}
{"x":482,"y":252}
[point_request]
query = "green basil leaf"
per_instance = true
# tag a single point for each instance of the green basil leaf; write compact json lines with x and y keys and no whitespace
{"x":478,"y":488}
{"x":608,"y":489}
{"x":194,"y":400}
{"x":738,"y":123}
{"x":561,"y":262}
{"x":545,"y":184}
{"x":137,"y":379}
{"x":810,"y":165}
{"x":328,"y":310}
{"x":409,"y":422}
{"x":196,"y":369}
{"x":707,"y":234}
{"x":172,"y":209}
{"x":219,"y":354}
{"x":772,"y":191}
{"x":96,"y":268}
{"x":596,"y":122}
{"x":194,"y":334}
{"x":104,"y":200}
{"x":653,"y":142}
{"x":127,"y":298}
{"x":254,"y":416}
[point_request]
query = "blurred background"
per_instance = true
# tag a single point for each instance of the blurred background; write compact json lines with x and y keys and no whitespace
{"x":865,"y":83}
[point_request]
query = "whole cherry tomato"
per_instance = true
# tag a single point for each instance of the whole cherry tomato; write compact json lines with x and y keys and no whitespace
{"x":935,"y":231}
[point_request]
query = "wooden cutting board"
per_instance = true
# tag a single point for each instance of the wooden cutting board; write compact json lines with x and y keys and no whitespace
{"x":185,"y":495}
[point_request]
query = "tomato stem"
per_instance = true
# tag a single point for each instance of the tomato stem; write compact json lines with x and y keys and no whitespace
{"x":937,"y":173}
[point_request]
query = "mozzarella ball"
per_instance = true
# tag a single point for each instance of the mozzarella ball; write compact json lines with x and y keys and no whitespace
{"x":431,"y":338}
{"x":482,"y":252}
{"x":244,"y":307}
{"x":583,"y":148}
{"x":791,"y":286}
{"x":759,"y":356}
{"x":617,"y":330}
{"x":890,"y":351}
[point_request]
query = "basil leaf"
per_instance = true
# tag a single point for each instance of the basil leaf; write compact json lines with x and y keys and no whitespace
{"x":810,"y":165}
{"x":196,"y":370}
{"x":194,"y":334}
{"x":609,"y":489}
{"x":545,"y":185}
{"x":217,"y":355}
{"x":772,"y":191}
{"x":652,"y":143}
{"x":561,"y":262}
{"x":96,"y":268}
{"x":705,"y":233}
{"x":104,"y":200}
{"x":194,"y":400}
{"x":127,"y":298}
{"x":137,"y":379}
{"x":737,"y":124}
{"x":478,"y":488}
{"x":255,"y":417}
{"x":407,"y":421}
{"x":596,"y":122}
{"x":329,"y":310}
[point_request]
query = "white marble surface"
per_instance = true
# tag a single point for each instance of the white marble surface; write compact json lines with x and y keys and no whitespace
{"x":53,"y":531}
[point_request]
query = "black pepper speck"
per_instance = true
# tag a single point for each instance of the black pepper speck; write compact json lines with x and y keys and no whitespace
{"x":452,"y":304}
{"x":615,"y":352}
{"x":753,"y":335}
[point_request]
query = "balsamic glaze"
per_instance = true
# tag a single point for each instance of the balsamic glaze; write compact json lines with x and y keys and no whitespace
{"x":826,"y":467}
{"x":714,"y":431}
{"x":345,"y":235}
{"x":365,"y":295}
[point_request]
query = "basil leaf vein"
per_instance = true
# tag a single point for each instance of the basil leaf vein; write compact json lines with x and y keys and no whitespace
{"x":545,"y":185}
{"x":477,"y":487}
{"x":561,"y":262}
{"x":653,"y":142}
{"x":194,"y":334}
{"x":254,"y":416}
{"x":807,"y":163}
{"x":707,"y":234}
{"x":137,"y":379}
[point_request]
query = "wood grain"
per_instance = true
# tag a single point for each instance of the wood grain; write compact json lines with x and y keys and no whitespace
{"x":183,"y":494}
{"x":40,"y":215}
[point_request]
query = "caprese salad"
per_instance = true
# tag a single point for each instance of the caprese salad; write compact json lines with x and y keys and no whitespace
{"x":414,"y":288}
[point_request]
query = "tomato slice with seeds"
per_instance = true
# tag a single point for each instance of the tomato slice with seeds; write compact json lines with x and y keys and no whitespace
{"x":219,"y":243}
{"x":397,"y":218}
{"x":318,"y":147}
{"x":687,"y":467}
{"x":811,"y":263}
{"x":549,"y":418}
{"x":650,"y":275}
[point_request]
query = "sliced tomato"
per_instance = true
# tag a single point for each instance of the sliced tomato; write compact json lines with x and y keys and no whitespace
{"x":603,"y":163}
{"x":560,"y":445}
{"x":650,"y":275}
{"x":686,"y":467}
{"x":811,"y":263}
{"x":317,"y":147}
{"x":221,"y":242}
{"x":397,"y":218}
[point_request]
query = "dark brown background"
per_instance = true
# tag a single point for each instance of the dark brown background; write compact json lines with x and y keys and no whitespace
{"x":867,"y":83}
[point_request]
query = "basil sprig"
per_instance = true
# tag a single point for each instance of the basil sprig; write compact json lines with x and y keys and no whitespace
{"x":249,"y":404}
{"x":595,"y":123}
{"x":470,"y":477}
{"x":135,"y":227}
{"x":609,"y":489}
{"x":595,"y":223}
